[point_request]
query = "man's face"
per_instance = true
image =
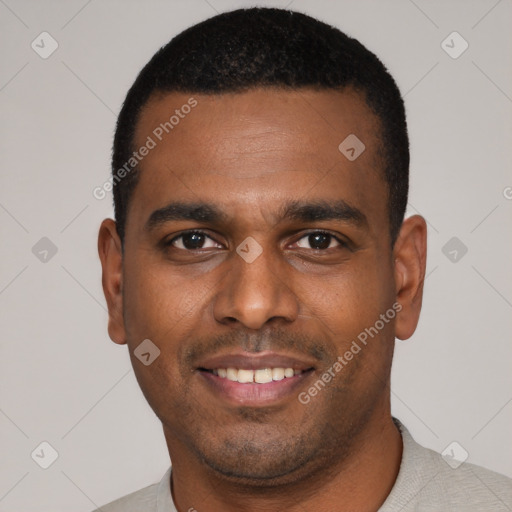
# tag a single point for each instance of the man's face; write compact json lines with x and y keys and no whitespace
{"x":316,"y":272}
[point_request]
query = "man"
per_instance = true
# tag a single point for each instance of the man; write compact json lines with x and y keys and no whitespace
{"x":260,"y":268}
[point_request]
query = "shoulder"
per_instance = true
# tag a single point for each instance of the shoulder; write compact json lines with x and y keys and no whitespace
{"x":466,"y":486}
{"x":144,"y":499}
{"x":427,"y":481}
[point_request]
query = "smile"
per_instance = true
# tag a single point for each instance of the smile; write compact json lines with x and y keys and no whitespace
{"x":263,"y":379}
{"x":259,"y":376}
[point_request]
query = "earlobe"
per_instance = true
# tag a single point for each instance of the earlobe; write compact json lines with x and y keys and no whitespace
{"x":410,"y":253}
{"x":111,"y":256}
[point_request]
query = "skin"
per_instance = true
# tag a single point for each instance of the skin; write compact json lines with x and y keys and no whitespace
{"x":249,"y":154}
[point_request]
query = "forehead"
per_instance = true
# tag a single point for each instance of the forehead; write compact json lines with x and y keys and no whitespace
{"x":257,"y":148}
{"x":304,"y":121}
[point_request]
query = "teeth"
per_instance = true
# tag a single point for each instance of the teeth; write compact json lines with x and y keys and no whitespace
{"x":245,"y":376}
{"x":261,"y":376}
{"x":277,"y":373}
{"x":232,"y":374}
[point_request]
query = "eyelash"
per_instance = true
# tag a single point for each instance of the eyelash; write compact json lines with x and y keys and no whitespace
{"x":342,"y":244}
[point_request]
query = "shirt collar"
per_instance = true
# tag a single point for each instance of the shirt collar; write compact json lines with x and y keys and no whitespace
{"x":164,"y":501}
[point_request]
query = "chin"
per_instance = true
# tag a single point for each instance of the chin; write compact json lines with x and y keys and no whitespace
{"x":264,"y":463}
{"x":246,"y":473}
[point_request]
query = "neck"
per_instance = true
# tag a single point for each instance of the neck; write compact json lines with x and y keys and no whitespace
{"x":361,"y":482}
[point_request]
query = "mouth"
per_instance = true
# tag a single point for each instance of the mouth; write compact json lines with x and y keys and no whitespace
{"x":254,"y":380}
{"x":258,"y":376}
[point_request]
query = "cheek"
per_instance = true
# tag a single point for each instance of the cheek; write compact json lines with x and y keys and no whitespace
{"x":155,"y":308}
{"x":349,"y":300}
{"x":148,"y":300}
{"x":158,"y":302}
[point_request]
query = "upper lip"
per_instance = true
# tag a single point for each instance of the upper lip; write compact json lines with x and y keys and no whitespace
{"x":248,"y":361}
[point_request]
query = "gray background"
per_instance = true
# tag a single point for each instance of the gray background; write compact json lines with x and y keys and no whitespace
{"x":63,"y":381}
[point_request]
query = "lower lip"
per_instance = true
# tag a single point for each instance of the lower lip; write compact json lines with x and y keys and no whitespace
{"x":254,"y":394}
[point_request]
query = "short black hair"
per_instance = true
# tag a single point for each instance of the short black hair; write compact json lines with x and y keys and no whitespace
{"x":244,"y":49}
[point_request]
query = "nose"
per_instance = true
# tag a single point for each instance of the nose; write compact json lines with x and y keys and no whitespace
{"x":255,"y":292}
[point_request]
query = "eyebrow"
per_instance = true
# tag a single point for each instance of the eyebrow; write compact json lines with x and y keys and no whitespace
{"x":200,"y":212}
{"x":323,"y":210}
{"x":304,"y":211}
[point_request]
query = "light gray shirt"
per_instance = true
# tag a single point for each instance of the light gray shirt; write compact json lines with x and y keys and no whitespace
{"x":426,"y":482}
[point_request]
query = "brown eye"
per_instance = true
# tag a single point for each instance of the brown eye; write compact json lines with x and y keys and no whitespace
{"x":318,"y":241}
{"x":193,"y":240}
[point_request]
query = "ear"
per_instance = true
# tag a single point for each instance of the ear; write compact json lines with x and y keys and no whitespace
{"x":410,"y":257}
{"x":111,"y":256}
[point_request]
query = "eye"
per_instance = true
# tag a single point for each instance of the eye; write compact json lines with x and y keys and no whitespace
{"x":319,"y":240}
{"x":192,"y":240}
